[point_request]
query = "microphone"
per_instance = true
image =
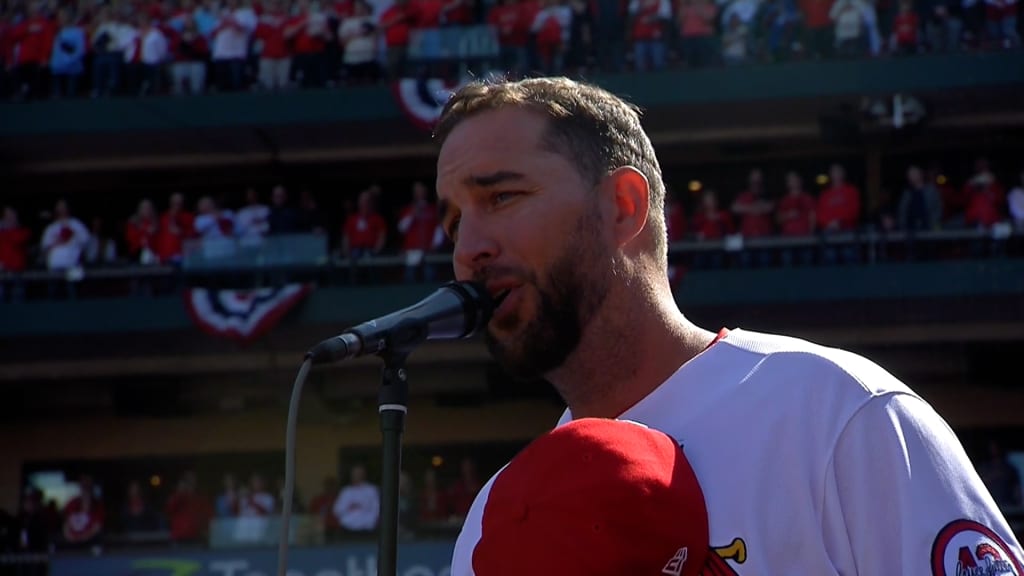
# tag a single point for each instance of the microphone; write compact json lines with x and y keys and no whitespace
{"x":456,"y":310}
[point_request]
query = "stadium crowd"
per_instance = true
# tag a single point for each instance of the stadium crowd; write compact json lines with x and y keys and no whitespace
{"x":430,"y":504}
{"x":61,"y":48}
{"x":371,"y":226}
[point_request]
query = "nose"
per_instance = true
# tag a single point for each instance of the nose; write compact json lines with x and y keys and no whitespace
{"x":475,"y":248}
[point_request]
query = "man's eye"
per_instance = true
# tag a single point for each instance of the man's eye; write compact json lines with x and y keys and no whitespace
{"x":453,"y":229}
{"x":502,"y":197}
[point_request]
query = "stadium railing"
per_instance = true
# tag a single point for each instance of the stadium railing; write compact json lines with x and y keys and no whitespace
{"x":264,"y":531}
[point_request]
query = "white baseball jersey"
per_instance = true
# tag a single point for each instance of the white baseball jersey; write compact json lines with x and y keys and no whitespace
{"x":817,"y":461}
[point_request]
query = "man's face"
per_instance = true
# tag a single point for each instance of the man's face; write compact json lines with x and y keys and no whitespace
{"x":524,"y":222}
{"x":837,"y":174}
{"x":793,"y":183}
{"x":915,"y":177}
{"x":755,"y":180}
{"x":358,"y":475}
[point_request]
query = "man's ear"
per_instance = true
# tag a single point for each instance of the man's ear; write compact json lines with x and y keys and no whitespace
{"x":632,"y":202}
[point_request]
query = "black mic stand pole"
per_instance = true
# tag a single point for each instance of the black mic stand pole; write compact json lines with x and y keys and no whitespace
{"x":393,"y":406}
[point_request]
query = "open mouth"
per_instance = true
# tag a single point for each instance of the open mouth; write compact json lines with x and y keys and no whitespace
{"x":500,"y":297}
{"x":506,"y":301}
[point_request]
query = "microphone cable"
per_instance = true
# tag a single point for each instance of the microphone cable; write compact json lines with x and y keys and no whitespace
{"x":289,"y":466}
{"x":477,"y":307}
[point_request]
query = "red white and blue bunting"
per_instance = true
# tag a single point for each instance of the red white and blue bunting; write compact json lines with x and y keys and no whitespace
{"x":242,"y":315}
{"x":423,"y":99}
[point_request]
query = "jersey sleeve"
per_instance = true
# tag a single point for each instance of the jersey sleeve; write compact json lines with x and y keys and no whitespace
{"x":462,"y":557}
{"x":902,"y":497}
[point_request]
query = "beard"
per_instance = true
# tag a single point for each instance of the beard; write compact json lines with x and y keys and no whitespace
{"x":568,"y":297}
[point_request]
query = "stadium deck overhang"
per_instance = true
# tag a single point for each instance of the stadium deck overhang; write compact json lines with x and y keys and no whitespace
{"x":694,"y":115}
{"x":182,"y":353}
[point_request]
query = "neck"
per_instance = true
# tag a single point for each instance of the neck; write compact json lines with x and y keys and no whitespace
{"x":638,"y":341}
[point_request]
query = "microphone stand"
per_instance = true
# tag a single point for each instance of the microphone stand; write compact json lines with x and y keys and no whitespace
{"x":393,"y":406}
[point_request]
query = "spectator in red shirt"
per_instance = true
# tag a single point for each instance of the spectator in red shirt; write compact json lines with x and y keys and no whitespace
{"x":839,"y":207}
{"x":462,"y":492}
{"x":425,"y":20}
{"x":711,"y":222}
{"x":365,"y":231}
{"x":551,"y":29}
{"x":511,"y":19}
{"x":648,"y":19}
{"x":986,"y":197}
{"x":906,"y":35}
{"x":190,"y":52}
{"x":309,"y":31}
{"x":417,"y":223}
{"x":140,"y":234}
{"x":818,"y":27}
{"x":188,"y":512}
{"x":753,"y":208}
{"x":795,"y":212}
{"x":136,"y":513}
{"x":433,"y":507}
{"x":754,"y":211}
{"x":457,"y":13}
{"x":697,"y":25}
{"x":954,"y":199}
{"x":176,"y":225}
{"x":839,"y":210}
{"x":275,"y":59}
{"x":395,"y":23}
{"x":322,"y":506}
{"x":14,"y":241}
{"x":83,"y":516}
{"x":34,"y":37}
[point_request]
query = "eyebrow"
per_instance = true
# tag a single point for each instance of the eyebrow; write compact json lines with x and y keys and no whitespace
{"x":493,"y":179}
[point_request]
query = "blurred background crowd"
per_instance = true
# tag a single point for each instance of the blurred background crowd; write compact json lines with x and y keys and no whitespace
{"x":69,"y":48}
{"x":372,"y":224}
{"x":129,"y":512}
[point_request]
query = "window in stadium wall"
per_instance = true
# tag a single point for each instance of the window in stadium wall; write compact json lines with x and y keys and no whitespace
{"x":445,"y":461}
{"x":58,"y":481}
{"x":442,"y":464}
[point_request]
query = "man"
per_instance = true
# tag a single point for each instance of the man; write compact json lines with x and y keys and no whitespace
{"x":813,"y":460}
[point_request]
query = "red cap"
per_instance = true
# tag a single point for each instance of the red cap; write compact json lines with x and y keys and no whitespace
{"x":594,"y":497}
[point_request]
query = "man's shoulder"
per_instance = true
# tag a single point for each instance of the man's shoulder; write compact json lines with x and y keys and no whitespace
{"x":786,"y":359}
{"x":469,"y":535}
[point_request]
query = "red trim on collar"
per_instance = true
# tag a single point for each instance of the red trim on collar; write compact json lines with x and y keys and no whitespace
{"x":721,"y":334}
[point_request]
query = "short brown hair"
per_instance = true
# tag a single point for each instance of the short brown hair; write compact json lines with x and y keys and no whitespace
{"x":594,"y":129}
